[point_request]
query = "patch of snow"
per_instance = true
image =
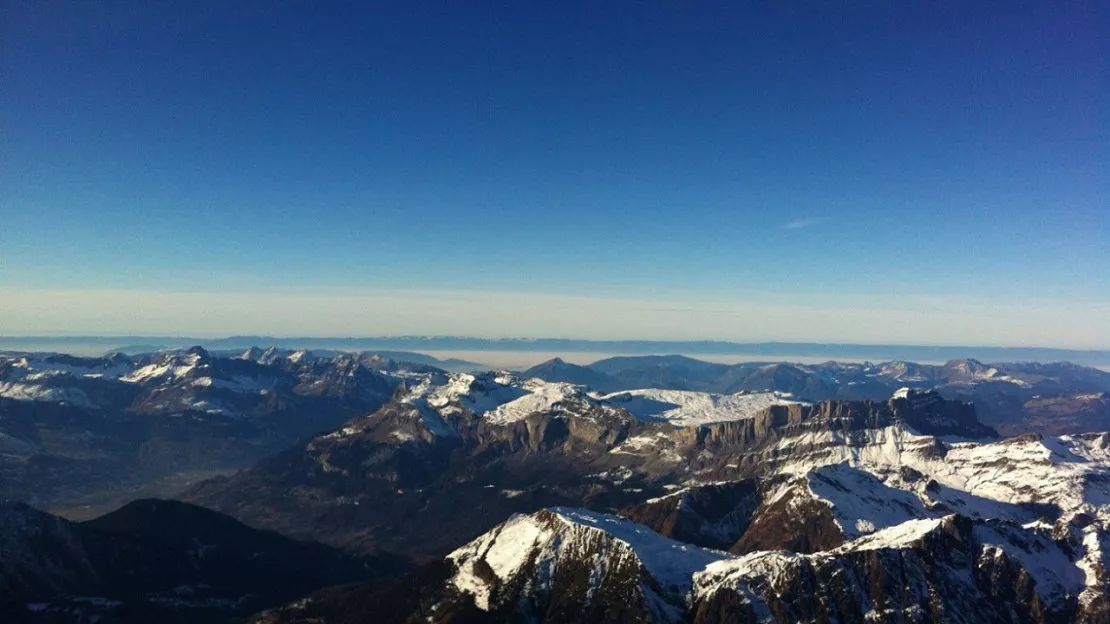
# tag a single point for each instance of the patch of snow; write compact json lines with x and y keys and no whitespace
{"x":160,"y":371}
{"x":992,"y":480}
{"x":859,"y":502}
{"x":505,"y":549}
{"x":897,"y":536}
{"x":902,"y":393}
{"x":1055,"y":574}
{"x":684,"y":408}
{"x":238,"y":383}
{"x":542,"y":396}
{"x":43,"y":393}
{"x":668,"y":561}
{"x":658,"y":443}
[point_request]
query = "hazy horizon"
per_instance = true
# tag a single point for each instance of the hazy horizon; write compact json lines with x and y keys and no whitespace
{"x":764,"y":317}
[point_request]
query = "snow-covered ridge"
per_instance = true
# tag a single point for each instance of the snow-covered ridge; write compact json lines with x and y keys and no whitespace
{"x":504,"y":398}
{"x":1055,"y":574}
{"x":32,"y":368}
{"x":1004,"y":479}
{"x":40,"y":392}
{"x":685,"y":408}
{"x":559,"y":536}
{"x":50,"y":378}
{"x":529,"y":549}
{"x":859,"y":502}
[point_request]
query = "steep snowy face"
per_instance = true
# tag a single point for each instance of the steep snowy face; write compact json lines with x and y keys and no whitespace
{"x":173,"y":365}
{"x":550,"y":553}
{"x":947,"y":569}
{"x":859,"y":502}
{"x":684,"y":408}
{"x":1021,"y":479}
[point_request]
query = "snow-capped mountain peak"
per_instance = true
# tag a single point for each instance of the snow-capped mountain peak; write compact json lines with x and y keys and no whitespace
{"x":544,"y":550}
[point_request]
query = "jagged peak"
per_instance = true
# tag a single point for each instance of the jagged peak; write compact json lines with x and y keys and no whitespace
{"x":560,"y":535}
{"x":199,"y":352}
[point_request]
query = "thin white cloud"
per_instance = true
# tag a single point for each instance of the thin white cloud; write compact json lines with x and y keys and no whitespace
{"x":798,"y":224}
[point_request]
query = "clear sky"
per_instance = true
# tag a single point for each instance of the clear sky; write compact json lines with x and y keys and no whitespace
{"x":927,"y":172}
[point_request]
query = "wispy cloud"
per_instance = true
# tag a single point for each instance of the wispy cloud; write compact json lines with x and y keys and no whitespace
{"x":798,"y":224}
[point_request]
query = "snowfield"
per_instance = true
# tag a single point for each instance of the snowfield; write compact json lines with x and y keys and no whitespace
{"x":503,"y":398}
{"x":684,"y":408}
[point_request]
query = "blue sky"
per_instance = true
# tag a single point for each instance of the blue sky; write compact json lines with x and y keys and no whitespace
{"x":933,"y":156}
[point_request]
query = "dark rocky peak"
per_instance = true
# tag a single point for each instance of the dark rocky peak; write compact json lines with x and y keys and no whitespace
{"x":20,"y":518}
{"x":927,"y":412}
{"x":117,"y":358}
{"x":252,"y":354}
{"x":621,"y":364}
{"x":40,"y":554}
{"x":908,"y":372}
{"x":788,"y":378}
{"x":715,"y":515}
{"x":927,"y":415}
{"x":964,"y":370}
{"x":561,"y":371}
{"x":402,"y":390}
{"x":156,"y":561}
{"x":167,"y":518}
{"x":199,"y":354}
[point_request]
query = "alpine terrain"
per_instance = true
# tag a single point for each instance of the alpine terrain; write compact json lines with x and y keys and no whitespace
{"x":760,"y":493}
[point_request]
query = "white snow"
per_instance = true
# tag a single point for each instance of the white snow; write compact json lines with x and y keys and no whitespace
{"x":1096,"y":557}
{"x":658,"y":443}
{"x":670,"y":562}
{"x":39,"y":392}
{"x":499,"y":398}
{"x":685,"y":408}
{"x":774,"y":567}
{"x":300,"y":355}
{"x":990,"y":480}
{"x":897,"y":536}
{"x":505,"y":548}
{"x":549,"y":538}
{"x":541,"y":396}
{"x":159,"y":371}
{"x":902,"y":393}
{"x":859,"y":502}
{"x":238,"y":383}
{"x":1055,"y":574}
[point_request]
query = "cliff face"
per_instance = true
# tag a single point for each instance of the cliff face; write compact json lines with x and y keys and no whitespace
{"x":513,"y":448}
{"x":564,"y":565}
{"x":714,"y":515}
{"x":952,"y":569}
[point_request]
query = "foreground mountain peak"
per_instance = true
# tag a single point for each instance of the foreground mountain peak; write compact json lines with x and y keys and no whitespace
{"x":546,"y":553}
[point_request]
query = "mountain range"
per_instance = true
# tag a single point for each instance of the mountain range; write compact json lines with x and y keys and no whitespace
{"x":357,"y":488}
{"x":410,"y":344}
